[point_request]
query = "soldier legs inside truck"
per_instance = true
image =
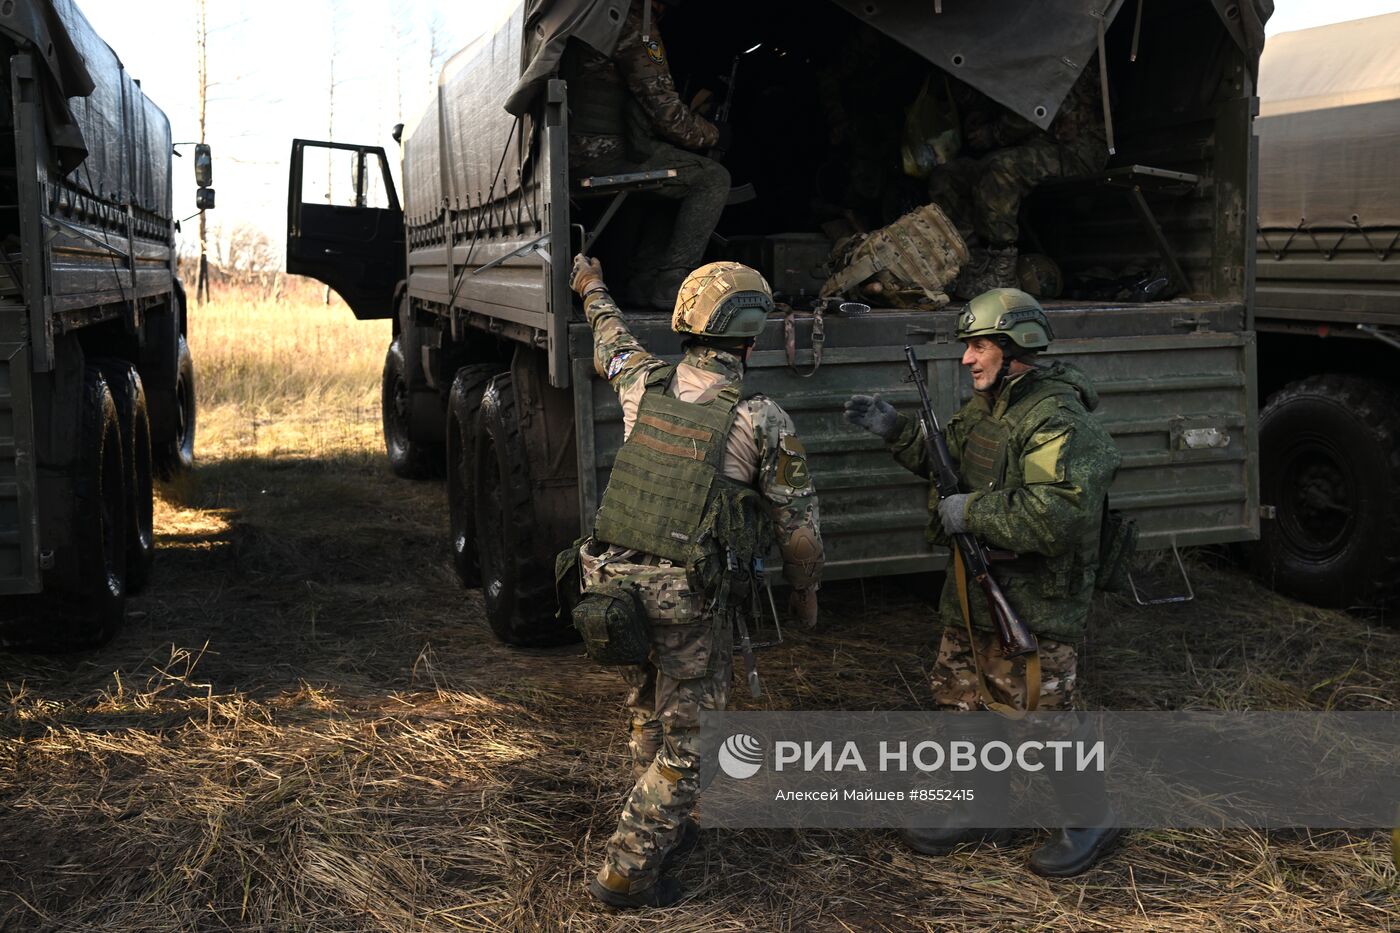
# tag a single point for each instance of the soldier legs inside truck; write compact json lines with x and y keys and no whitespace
{"x":983,"y":199}
{"x":666,"y":250}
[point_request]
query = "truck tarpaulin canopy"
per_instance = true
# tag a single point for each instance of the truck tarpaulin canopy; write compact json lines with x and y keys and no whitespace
{"x":1329,"y":126}
{"x":39,"y":23}
{"x":1023,"y":55}
{"x":95,"y":114}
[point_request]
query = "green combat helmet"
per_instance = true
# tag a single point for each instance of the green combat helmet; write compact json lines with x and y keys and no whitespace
{"x":723,"y":299}
{"x":1011,"y":317}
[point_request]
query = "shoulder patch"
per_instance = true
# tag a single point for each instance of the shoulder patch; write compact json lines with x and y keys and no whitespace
{"x":792,"y":469}
{"x":617,"y":362}
{"x":656,"y":51}
{"x":1044,"y":463}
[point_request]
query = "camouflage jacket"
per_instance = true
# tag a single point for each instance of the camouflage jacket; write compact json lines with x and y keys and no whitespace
{"x":643,"y":69}
{"x":762,"y":450}
{"x":988,"y":126}
{"x":1044,"y":498}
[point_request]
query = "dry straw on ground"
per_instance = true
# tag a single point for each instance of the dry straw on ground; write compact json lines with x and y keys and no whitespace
{"x":307,"y":726}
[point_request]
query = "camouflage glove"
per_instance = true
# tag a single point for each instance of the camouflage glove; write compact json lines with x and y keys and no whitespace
{"x":874,"y":414}
{"x":952,"y":510}
{"x":587,"y":276}
{"x":802,"y":606}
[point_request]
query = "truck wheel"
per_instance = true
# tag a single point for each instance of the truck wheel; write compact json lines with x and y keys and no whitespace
{"x":1330,"y":466}
{"x":176,"y":454}
{"x":408,"y":457}
{"x":465,"y":400}
{"x":91,"y":614}
{"x":516,"y":584}
{"x":130,"y":397}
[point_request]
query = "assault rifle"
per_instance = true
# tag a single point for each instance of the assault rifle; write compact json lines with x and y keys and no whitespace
{"x":1016,"y":639}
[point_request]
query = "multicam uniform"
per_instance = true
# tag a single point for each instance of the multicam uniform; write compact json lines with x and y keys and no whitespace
{"x":625,"y":116}
{"x":1038,"y":467}
{"x":689,"y":669}
{"x":1008,"y":156}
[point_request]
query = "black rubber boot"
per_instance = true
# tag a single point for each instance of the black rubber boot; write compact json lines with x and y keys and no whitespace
{"x":1084,"y":804}
{"x":665,"y":892}
{"x":967,"y":826}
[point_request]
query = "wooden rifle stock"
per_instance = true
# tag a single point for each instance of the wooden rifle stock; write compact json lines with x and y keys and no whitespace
{"x":1015,"y":637}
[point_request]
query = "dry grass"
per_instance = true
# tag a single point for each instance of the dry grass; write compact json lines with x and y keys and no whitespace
{"x":307,"y":725}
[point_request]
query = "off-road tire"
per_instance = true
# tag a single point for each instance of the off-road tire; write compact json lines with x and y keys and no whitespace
{"x":409,"y":457}
{"x":91,"y":613}
{"x":1329,"y":454}
{"x":130,"y":397}
{"x":462,"y":406}
{"x":175,"y":454}
{"x":517,"y":584}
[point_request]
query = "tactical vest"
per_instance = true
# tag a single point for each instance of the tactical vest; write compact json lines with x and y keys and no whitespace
{"x":661,"y":498}
{"x":597,"y":96}
{"x":983,"y":461}
{"x":983,"y":468}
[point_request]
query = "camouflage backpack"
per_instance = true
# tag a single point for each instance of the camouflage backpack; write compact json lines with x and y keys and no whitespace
{"x":908,"y":264}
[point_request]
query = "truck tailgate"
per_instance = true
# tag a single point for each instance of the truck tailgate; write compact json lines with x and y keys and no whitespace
{"x":1176,"y":384}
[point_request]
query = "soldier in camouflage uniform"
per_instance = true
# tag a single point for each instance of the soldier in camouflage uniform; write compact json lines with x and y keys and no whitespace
{"x":721,"y":307}
{"x":626,"y":116}
{"x":1035,"y":468}
{"x":1005,"y":157}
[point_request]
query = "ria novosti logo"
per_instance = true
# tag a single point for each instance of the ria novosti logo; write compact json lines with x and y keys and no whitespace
{"x":741,"y":756}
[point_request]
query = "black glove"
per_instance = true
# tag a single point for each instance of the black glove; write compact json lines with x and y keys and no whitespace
{"x":872,"y":413}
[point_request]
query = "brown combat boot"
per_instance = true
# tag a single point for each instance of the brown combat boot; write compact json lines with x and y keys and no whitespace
{"x":615,"y":891}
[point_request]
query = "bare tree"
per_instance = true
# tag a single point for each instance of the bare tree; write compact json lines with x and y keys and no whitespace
{"x":334,"y":8}
{"x":201,"y":288}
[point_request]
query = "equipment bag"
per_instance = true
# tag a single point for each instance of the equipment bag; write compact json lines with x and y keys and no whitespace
{"x":612,"y":625}
{"x":1118,"y":537}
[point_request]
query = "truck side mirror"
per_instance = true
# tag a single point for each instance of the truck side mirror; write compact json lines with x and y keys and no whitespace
{"x":204,"y":199}
{"x":204,"y":168}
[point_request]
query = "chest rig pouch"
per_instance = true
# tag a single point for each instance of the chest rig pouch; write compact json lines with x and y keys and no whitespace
{"x":666,"y":472}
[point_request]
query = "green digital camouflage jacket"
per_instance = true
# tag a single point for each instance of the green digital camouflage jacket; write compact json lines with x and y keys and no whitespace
{"x":1038,"y":466}
{"x":762,"y":450}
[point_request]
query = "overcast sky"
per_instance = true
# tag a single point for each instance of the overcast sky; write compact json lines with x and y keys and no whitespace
{"x":270,"y":76}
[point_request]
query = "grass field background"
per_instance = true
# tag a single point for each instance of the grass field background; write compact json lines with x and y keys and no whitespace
{"x":306,"y":724}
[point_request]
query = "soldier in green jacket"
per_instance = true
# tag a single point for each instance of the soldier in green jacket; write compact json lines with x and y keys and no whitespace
{"x":706,"y":481}
{"x":625,"y":115}
{"x":1035,"y":469}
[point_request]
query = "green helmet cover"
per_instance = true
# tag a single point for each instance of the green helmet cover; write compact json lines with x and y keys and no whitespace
{"x":1008,"y":313}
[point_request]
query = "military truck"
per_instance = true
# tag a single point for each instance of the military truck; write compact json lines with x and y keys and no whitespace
{"x":489,"y":374}
{"x":1328,"y":312}
{"x":96,"y":379}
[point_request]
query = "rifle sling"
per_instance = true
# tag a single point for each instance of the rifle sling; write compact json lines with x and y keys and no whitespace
{"x":1032,"y":661}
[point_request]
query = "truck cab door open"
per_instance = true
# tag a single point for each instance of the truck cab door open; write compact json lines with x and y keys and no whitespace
{"x":344,"y":223}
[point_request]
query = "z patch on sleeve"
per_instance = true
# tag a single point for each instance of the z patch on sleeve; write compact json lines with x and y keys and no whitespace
{"x":1045,"y":463}
{"x":792,"y":464}
{"x":616,"y":363}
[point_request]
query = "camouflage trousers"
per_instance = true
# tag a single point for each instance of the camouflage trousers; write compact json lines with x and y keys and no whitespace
{"x":955,"y":673}
{"x":700,"y":188}
{"x":983,"y":196}
{"x":688,"y":670}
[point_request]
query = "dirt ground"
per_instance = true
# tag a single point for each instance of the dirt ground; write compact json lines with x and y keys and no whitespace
{"x":306,"y":725}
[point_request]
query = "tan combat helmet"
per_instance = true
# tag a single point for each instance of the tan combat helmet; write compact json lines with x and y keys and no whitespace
{"x":723,"y":299}
{"x":1009,"y":315}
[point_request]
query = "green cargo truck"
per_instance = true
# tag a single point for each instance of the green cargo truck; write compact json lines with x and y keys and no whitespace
{"x":490,"y":370}
{"x":96,"y":381}
{"x":1328,"y":312}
